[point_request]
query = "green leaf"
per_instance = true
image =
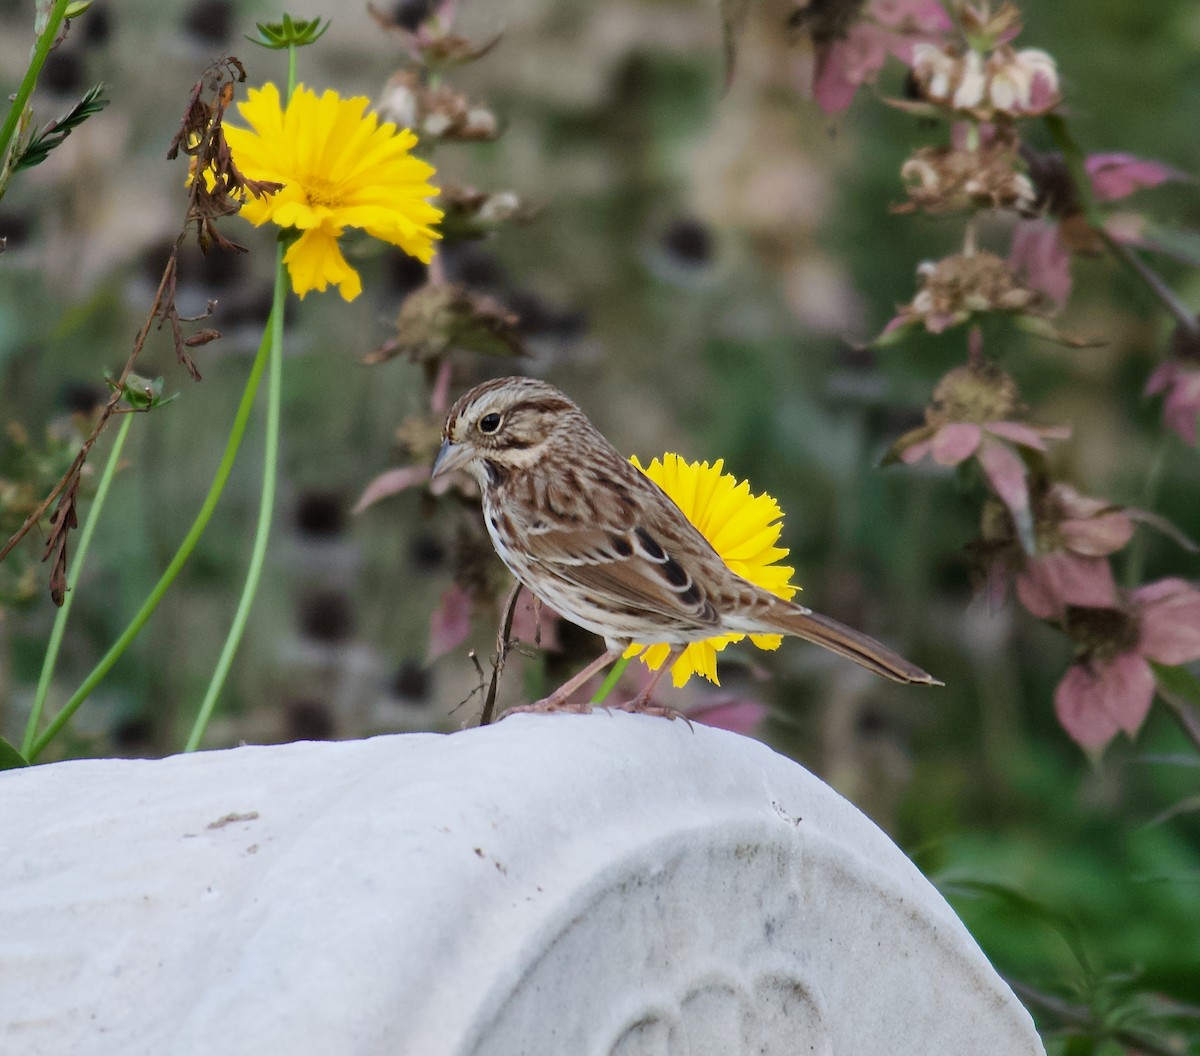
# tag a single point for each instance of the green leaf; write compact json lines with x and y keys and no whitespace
{"x":77,"y":8}
{"x":1180,"y":691}
{"x":10,"y":758}
{"x":40,"y":145}
{"x":1178,"y":243}
{"x":1178,"y":681}
{"x":288,"y":33}
{"x":1026,"y":908}
{"x":140,"y":393}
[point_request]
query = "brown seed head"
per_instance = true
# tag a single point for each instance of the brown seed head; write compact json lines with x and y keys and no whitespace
{"x":980,"y":393}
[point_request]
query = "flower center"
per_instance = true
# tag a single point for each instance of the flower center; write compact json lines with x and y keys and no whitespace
{"x":1102,"y":633}
{"x":319,"y":190}
{"x":978,"y":394}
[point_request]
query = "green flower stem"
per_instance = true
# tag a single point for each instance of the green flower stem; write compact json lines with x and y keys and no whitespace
{"x":266,"y":506}
{"x":60,"y":620}
{"x":614,"y":676}
{"x":291,"y":81}
{"x":236,"y":432}
{"x":266,"y":509}
{"x":41,"y":49}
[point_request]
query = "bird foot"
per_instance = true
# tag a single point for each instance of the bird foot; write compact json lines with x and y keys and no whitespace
{"x":641,"y":706}
{"x":637,"y":706}
{"x":548,"y":706}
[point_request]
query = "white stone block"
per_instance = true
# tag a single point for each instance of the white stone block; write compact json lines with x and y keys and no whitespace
{"x":600,"y":885}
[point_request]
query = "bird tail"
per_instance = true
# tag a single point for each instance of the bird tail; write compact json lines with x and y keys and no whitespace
{"x":789,"y":618}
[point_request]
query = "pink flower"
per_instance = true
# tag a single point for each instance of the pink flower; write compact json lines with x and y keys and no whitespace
{"x":1110,"y":688}
{"x":1072,"y":537}
{"x":970,"y":418}
{"x":1180,"y":380}
{"x":888,"y":27}
{"x":1075,"y":534}
{"x":990,"y":443}
{"x":1042,"y":249}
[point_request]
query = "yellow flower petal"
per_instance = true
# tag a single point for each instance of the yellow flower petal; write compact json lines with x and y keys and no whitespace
{"x":742,"y":528}
{"x":315,"y":261}
{"x":340,"y":168}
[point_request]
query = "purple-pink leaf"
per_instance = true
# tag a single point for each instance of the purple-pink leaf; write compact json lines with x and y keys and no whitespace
{"x":1039,"y":255}
{"x":887,"y":27}
{"x":1006,"y":473}
{"x":391,"y":483}
{"x":1181,"y":408}
{"x":1119,"y":175}
{"x":841,"y":67}
{"x":954,"y":442}
{"x":916,"y":452}
{"x":451,"y":621}
{"x":1029,"y":435}
{"x":1170,"y":631}
{"x":1050,"y":582}
{"x":1094,"y":703}
{"x":1096,"y":536}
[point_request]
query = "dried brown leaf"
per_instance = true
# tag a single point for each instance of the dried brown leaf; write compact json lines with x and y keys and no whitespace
{"x":437,"y":318}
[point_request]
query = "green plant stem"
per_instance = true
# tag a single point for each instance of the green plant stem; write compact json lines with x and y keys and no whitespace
{"x":236,"y":433}
{"x":41,"y":49}
{"x":614,"y":676}
{"x":1135,"y":562}
{"x":291,"y":74}
{"x":266,"y":506}
{"x":60,"y":619}
{"x":266,"y":509}
{"x":1076,"y":164}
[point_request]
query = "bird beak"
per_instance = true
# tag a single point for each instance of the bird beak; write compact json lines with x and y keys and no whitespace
{"x":450,"y":456}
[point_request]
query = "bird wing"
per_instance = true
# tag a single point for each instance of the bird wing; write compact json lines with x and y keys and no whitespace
{"x":628,"y":570}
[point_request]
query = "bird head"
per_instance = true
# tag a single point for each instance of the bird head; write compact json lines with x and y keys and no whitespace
{"x":502,"y":426}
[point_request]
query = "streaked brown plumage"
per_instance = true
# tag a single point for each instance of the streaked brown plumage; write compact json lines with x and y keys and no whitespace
{"x":595,"y":538}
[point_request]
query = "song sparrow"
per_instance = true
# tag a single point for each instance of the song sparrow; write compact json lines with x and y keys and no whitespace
{"x":595,"y":538}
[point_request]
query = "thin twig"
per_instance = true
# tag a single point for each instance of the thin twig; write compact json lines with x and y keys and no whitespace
{"x":105,"y":414}
{"x":502,"y":647}
{"x":1076,"y":163}
{"x":204,"y":206}
{"x":1166,"y":296}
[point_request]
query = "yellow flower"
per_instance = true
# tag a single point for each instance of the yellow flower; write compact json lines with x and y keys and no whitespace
{"x":339,"y":168}
{"x":742,"y":528}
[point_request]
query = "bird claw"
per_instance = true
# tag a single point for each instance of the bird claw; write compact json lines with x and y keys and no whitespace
{"x":548,"y":706}
{"x":636,"y":706}
{"x":641,"y":706}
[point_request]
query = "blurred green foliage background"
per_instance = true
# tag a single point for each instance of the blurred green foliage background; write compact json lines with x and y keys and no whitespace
{"x":701,"y":267}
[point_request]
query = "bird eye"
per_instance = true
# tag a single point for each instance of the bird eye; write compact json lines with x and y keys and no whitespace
{"x":489,"y":423}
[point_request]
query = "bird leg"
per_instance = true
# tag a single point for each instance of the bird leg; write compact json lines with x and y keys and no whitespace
{"x":640,"y":705}
{"x":558,"y":700}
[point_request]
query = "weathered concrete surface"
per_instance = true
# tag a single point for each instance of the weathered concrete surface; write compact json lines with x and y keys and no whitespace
{"x":551,"y":886}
